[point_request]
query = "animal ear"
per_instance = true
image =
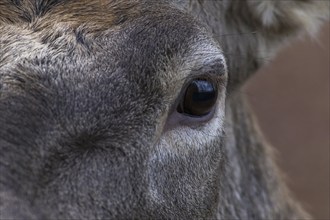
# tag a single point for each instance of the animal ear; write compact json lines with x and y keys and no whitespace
{"x":251,"y":32}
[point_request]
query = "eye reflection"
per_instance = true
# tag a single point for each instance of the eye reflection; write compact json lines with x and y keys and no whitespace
{"x":199,"y":99}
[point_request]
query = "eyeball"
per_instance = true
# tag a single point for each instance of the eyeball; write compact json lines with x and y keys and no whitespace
{"x":199,"y":98}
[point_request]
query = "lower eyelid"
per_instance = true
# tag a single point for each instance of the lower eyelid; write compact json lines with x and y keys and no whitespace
{"x":176,"y":119}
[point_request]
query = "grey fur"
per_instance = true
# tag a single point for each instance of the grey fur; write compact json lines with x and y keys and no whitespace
{"x":87,"y":90}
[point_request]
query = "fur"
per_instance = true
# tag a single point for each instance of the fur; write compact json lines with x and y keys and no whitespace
{"x":88,"y":91}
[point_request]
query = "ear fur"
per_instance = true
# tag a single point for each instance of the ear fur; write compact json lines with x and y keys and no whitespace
{"x":305,"y":16}
{"x":251,"y":32}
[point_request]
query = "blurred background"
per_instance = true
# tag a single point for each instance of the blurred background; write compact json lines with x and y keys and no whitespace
{"x":290,"y":98}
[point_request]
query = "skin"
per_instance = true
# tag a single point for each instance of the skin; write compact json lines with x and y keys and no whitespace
{"x":88,"y":97}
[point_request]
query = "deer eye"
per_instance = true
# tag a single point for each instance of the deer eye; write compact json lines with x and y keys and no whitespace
{"x":199,"y":98}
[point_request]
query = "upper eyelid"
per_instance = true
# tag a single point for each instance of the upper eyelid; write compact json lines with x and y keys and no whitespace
{"x":215,"y":67}
{"x":214,"y":70}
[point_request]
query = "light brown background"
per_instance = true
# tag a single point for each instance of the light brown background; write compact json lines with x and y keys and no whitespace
{"x":291,"y":100}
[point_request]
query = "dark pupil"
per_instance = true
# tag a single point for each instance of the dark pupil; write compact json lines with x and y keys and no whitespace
{"x":199,"y":98}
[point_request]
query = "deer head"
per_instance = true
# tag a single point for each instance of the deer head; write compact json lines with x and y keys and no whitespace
{"x":127,"y":108}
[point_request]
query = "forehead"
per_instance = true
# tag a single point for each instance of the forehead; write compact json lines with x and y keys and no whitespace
{"x":102,"y":39}
{"x":95,"y":15}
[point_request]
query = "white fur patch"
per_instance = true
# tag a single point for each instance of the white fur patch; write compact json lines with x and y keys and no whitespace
{"x":268,"y":12}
